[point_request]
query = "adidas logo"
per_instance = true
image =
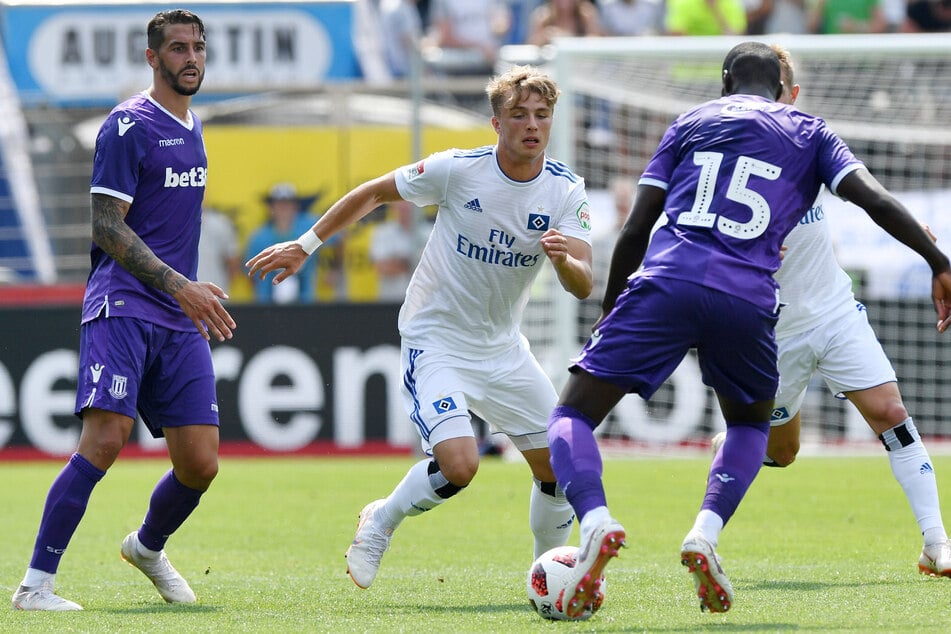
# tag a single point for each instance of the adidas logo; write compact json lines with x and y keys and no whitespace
{"x":571,"y":520}
{"x":473,"y":205}
{"x":926,"y":468}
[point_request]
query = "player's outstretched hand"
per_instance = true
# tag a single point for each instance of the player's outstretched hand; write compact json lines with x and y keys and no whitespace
{"x":941,"y":296}
{"x":201,"y":302}
{"x":940,"y":291}
{"x":286,"y":257}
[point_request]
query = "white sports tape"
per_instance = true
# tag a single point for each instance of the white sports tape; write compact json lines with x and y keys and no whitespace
{"x":309,"y":241}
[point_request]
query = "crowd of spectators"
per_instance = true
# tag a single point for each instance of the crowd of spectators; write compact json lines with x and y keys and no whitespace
{"x":462,"y":37}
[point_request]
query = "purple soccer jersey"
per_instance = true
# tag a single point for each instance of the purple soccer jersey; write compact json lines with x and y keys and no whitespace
{"x":153,"y":160}
{"x":739,"y":173}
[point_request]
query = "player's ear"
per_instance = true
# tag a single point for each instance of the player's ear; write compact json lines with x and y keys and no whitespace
{"x":779,"y":91}
{"x":794,"y":92}
{"x":727,"y":84}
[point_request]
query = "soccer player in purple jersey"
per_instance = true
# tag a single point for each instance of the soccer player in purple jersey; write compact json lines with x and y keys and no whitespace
{"x":823,"y":328}
{"x":145,"y":322}
{"x":733,"y":176}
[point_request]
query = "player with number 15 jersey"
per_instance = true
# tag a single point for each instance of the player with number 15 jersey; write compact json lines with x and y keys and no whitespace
{"x":732,"y":176}
{"x":738,"y":168}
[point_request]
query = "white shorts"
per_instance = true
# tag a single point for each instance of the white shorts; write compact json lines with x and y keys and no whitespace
{"x":510,"y":392}
{"x":846,"y":353}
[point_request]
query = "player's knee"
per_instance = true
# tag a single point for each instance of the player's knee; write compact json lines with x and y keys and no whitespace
{"x":207,"y":472}
{"x":197,"y":474}
{"x":784,"y":455}
{"x":888,"y":415}
{"x":102,"y":450}
{"x":453,"y":476}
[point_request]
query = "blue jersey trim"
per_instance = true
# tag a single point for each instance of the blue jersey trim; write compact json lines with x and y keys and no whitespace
{"x":560,"y":169}
{"x":475,"y":152}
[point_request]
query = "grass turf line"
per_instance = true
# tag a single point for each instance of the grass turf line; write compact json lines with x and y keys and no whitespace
{"x":827,"y":545}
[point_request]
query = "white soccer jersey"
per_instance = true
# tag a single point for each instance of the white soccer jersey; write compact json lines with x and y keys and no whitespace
{"x":470,"y":288}
{"x":812,"y":286}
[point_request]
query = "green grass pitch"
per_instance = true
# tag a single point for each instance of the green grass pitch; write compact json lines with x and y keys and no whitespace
{"x":827,"y":545}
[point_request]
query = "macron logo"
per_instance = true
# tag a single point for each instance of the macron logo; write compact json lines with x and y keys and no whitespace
{"x":723,"y":477}
{"x":125,"y":122}
{"x":595,"y":337}
{"x":473,"y":205}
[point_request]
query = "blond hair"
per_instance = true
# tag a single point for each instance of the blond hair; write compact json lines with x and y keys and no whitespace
{"x":513,"y":87}
{"x":786,"y":68}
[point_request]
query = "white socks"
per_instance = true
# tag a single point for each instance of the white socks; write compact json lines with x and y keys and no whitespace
{"x":34,"y":578}
{"x":413,"y":495}
{"x":913,"y":470}
{"x":550,"y":518}
{"x":709,"y":524}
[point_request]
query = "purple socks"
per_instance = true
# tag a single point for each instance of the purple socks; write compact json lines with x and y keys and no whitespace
{"x":734,"y":467}
{"x":576,"y":459}
{"x":65,"y":506}
{"x":171,"y":504}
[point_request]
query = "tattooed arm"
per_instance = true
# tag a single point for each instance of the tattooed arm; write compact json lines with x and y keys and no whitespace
{"x":199,"y":300}
{"x":115,"y":237}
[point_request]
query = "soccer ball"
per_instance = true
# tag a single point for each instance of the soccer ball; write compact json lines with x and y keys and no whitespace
{"x":548,"y":580}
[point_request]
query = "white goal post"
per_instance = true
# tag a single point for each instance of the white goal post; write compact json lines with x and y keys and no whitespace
{"x":888,"y":96}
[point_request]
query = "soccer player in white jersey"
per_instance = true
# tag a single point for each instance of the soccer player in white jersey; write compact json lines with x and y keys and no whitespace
{"x":822,"y":327}
{"x":503,"y":210}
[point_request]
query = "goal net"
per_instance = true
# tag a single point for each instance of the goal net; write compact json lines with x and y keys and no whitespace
{"x":886,"y":95}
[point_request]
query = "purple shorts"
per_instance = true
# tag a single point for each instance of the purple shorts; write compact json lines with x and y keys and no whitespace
{"x":657,"y":320}
{"x":128,"y":365}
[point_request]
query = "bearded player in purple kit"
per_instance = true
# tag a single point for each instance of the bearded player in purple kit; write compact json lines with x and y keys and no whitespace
{"x":733,"y":177}
{"x":145,"y":322}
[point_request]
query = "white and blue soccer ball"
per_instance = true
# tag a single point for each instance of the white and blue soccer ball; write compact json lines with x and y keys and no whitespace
{"x":548,"y":581}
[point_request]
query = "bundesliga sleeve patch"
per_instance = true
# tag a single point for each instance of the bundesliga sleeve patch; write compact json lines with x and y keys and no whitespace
{"x":415,"y":171}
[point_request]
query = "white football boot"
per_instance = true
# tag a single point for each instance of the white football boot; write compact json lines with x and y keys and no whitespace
{"x":712,"y":585}
{"x":368,"y":546}
{"x":605,"y":542}
{"x":42,"y":597}
{"x":171,"y":585}
{"x":936,"y":560}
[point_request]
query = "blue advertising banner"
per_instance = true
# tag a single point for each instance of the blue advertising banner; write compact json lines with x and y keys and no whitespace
{"x":94,"y":54}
